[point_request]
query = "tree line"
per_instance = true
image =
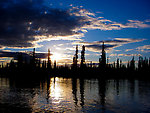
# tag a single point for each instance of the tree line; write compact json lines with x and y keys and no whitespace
{"x":35,"y":66}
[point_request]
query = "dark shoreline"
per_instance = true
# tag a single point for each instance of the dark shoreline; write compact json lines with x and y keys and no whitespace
{"x":39,"y":75}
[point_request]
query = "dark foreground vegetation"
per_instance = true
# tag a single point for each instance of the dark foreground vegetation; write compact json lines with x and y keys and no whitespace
{"x":34,"y":69}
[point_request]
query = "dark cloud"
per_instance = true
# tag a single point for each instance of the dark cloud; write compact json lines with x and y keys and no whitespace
{"x":98,"y":48}
{"x":109,"y":44}
{"x":8,"y":54}
{"x":22,"y":20}
{"x":25,"y":55}
{"x":24,"y":23}
{"x":114,"y":41}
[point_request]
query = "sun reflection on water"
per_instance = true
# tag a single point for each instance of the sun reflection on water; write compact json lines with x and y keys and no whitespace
{"x":55,"y":91}
{"x":77,"y":95}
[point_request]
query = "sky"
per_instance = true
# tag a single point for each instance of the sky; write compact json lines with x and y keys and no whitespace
{"x":124,"y":26}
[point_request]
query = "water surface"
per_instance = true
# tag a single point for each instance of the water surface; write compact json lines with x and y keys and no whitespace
{"x":75,"y":95}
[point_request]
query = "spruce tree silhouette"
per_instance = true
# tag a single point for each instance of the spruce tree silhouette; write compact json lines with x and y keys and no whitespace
{"x":49,"y":61}
{"x":75,"y":59}
{"x":102,"y":60}
{"x":32,"y":67}
{"x":83,"y":57}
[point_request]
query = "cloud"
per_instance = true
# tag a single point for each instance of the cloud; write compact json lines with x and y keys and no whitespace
{"x":27,"y":55}
{"x":8,"y":54}
{"x":137,"y":24}
{"x":124,"y":55}
{"x":1,"y":47}
{"x":1,"y":60}
{"x":65,"y":61}
{"x":117,"y":50}
{"x":114,"y":41}
{"x":131,"y":24}
{"x":145,"y":48}
{"x":65,"y":58}
{"x":25,"y":23}
{"x":129,"y":49}
{"x":96,"y":46}
{"x":93,"y":22}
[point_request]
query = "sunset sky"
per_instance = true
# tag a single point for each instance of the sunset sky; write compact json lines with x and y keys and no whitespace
{"x":124,"y":26}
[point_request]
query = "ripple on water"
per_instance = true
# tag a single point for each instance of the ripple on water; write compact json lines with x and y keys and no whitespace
{"x":75,"y":95}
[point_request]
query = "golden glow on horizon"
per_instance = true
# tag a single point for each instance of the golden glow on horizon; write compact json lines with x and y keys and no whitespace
{"x":56,"y":56}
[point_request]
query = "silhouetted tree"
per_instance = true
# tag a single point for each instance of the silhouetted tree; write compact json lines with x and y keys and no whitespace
{"x":39,"y":63}
{"x":75,"y":58}
{"x":49,"y":60}
{"x":19,"y":60}
{"x":128,"y":65}
{"x":149,"y":62}
{"x":102,"y":60}
{"x":54,"y":64}
{"x":118,"y":63}
{"x":132,"y":64}
{"x":33,"y":65}
{"x":44,"y":64}
{"x":107,"y":60}
{"x":140,"y":63}
{"x":83,"y":57}
{"x":91,"y":64}
{"x":12,"y":65}
{"x":114,"y":65}
{"x":2,"y":65}
{"x":33,"y":60}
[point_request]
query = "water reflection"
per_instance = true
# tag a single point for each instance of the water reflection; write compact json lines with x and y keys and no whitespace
{"x":74,"y":91}
{"x":4,"y":83}
{"x":102,"y":91}
{"x":75,"y":95}
{"x":82,"y":92}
